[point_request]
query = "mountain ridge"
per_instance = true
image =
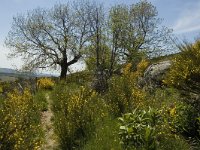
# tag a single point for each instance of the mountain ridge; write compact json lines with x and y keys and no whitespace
{"x":14,"y":73}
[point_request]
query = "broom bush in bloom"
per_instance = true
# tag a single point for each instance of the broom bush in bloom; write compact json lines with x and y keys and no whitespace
{"x":45,"y":83}
{"x":185,"y":71}
{"x":20,"y":122}
{"x":76,"y":113}
{"x":124,"y":93}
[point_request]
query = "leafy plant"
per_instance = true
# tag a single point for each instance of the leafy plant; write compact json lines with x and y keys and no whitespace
{"x":138,"y":129}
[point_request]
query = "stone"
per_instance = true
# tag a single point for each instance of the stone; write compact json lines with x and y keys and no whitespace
{"x":154,"y":74}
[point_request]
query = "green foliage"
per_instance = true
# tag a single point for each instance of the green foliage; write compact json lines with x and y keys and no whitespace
{"x":41,"y":99}
{"x":119,"y":96}
{"x":133,"y":35}
{"x":104,"y":57}
{"x":1,"y":89}
{"x":183,"y":119}
{"x":76,"y":111}
{"x":80,"y":78}
{"x":5,"y":87}
{"x":173,"y":143}
{"x":105,"y":136}
{"x":138,"y":129}
{"x":184,"y":75}
{"x":20,"y":122}
{"x":177,"y":122}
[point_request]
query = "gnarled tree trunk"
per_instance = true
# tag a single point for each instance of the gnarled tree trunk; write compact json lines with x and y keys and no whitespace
{"x":65,"y":65}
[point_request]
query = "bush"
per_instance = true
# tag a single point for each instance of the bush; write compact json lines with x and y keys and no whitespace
{"x":185,"y":71}
{"x":76,"y":111}
{"x":45,"y":83}
{"x":20,"y":122}
{"x":81,"y":78}
{"x":173,"y":143}
{"x":124,"y":94}
{"x":154,"y":129}
{"x":182,"y":119}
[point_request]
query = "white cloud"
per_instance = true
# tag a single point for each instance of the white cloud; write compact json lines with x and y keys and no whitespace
{"x":189,"y":20}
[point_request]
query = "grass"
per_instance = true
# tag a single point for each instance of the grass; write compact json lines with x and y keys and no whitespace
{"x":105,"y":137}
{"x":40,"y":98}
{"x":170,"y":143}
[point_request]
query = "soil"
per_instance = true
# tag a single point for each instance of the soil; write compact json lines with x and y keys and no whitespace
{"x":47,"y":124}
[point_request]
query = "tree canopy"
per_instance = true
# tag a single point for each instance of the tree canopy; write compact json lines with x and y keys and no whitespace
{"x":58,"y":37}
{"x":50,"y":37}
{"x":137,"y":28}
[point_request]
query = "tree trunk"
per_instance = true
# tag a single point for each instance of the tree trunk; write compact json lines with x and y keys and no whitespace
{"x":63,"y":73}
{"x":64,"y":66}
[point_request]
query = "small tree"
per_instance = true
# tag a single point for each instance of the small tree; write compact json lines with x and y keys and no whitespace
{"x":50,"y":37}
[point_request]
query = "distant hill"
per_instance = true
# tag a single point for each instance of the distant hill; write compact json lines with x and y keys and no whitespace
{"x":7,"y":74}
{"x":8,"y":71}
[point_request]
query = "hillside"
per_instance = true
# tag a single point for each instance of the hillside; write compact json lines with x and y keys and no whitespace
{"x":7,"y":74}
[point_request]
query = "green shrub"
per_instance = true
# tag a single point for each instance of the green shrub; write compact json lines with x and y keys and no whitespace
{"x":182,"y":118}
{"x":153,"y":129}
{"x":80,"y":78}
{"x":173,"y":143}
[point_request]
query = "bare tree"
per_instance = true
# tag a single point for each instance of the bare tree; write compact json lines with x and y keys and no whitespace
{"x":50,"y":37}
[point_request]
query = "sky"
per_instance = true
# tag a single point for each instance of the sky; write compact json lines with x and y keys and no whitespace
{"x":183,"y":16}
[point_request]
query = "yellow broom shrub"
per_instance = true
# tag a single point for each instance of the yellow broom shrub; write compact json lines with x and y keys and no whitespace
{"x":20,"y":122}
{"x":45,"y":83}
{"x":75,"y":114}
{"x":124,"y":93}
{"x":185,"y":69}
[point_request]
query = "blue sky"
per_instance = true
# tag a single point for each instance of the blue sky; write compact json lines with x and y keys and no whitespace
{"x":183,"y":16}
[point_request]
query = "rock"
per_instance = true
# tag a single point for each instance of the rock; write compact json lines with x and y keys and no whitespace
{"x":154,"y":74}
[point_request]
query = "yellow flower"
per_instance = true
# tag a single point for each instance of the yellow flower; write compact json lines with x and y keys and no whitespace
{"x":172,"y":112}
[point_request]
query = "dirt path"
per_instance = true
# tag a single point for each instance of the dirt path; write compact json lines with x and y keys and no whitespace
{"x":50,"y":138}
